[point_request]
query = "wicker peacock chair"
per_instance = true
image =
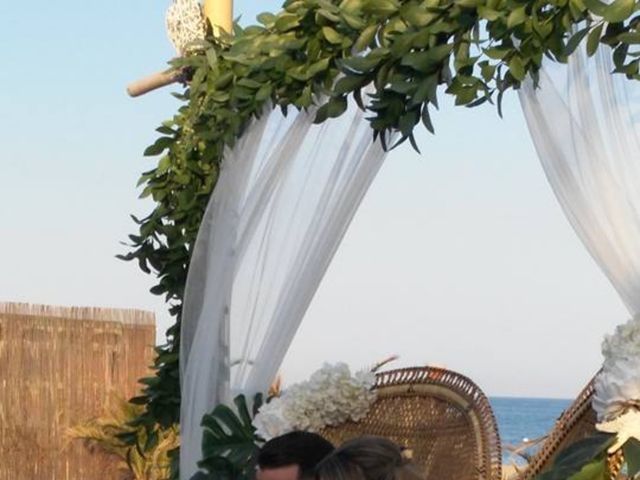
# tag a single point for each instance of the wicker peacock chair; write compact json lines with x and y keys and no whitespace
{"x":576,"y":423}
{"x":441,"y":416}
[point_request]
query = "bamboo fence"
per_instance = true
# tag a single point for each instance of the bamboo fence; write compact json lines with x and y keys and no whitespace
{"x":58,"y":366}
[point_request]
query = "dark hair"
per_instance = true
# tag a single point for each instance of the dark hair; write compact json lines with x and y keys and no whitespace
{"x":304,"y":449}
{"x":367,"y":458}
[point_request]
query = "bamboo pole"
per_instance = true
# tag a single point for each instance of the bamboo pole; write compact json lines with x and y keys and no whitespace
{"x":220,"y":15}
{"x":153,"y":82}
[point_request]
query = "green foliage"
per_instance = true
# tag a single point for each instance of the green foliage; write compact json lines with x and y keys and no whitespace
{"x":587,"y":459}
{"x":582,"y":460}
{"x":411,"y":51}
{"x":229,"y":443}
{"x":145,"y":454}
{"x":632,"y":456}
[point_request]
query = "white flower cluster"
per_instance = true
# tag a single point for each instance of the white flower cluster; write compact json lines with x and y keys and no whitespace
{"x":617,"y":387}
{"x":330,"y":397}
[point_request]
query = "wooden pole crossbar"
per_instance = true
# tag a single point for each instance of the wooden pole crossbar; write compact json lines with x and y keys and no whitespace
{"x":220,"y":14}
{"x":153,"y":82}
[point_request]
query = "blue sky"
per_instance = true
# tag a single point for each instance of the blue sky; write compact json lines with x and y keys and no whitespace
{"x":460,"y":256}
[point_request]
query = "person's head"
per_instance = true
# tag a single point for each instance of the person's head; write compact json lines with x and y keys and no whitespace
{"x":367,"y":458}
{"x":292,"y":456}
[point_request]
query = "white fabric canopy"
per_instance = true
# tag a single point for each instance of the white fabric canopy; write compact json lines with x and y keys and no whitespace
{"x":286,"y":195}
{"x":583,"y":123}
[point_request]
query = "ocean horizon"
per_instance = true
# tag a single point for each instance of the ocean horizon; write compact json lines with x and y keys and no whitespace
{"x":521,"y":418}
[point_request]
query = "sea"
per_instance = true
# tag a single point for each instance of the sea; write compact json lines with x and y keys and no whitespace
{"x":520,"y":419}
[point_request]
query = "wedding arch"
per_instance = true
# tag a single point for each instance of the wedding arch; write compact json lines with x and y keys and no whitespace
{"x":251,"y":204}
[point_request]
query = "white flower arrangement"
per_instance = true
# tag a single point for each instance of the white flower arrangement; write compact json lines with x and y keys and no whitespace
{"x":330,"y":397}
{"x":617,"y":386}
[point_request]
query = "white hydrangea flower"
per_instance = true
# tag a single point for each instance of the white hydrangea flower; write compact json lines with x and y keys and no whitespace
{"x":617,"y":387}
{"x":270,"y":422}
{"x":331,"y":396}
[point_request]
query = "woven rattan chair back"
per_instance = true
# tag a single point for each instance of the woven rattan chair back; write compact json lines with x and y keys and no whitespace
{"x":441,"y":416}
{"x":576,"y":423}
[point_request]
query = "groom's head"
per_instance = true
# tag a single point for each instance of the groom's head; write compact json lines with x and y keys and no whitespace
{"x":292,"y":456}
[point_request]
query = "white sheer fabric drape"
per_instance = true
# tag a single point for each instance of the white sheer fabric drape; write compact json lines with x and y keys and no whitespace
{"x":286,"y":195}
{"x":583,"y":123}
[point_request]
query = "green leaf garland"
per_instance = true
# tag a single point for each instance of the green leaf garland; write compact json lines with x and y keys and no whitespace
{"x":411,"y":51}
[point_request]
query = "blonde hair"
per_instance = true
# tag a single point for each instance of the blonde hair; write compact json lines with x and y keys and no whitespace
{"x":367,"y":458}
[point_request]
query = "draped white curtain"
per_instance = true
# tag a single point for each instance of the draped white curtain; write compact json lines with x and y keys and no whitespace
{"x":583,"y":121}
{"x":286,"y":195}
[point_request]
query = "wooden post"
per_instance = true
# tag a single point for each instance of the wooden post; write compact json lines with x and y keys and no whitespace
{"x":220,"y":15}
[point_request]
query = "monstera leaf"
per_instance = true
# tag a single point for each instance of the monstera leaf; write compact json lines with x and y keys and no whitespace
{"x":632,"y":457}
{"x":583,"y":460}
{"x":229,"y":443}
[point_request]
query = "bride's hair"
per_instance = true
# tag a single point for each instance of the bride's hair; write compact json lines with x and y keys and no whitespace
{"x":367,"y":458}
